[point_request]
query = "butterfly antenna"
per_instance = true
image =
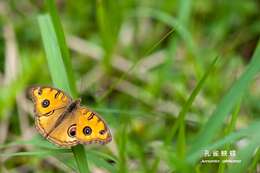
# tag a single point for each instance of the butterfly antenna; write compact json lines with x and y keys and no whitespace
{"x":80,"y":85}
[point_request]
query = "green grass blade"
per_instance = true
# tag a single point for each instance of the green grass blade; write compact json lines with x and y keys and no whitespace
{"x":181,"y":142}
{"x":59,"y":76}
{"x":229,"y":129}
{"x":122,"y":149}
{"x":81,"y":158}
{"x":244,"y":155}
{"x":181,"y":117}
{"x":184,"y":11}
{"x":229,"y":139}
{"x":62,"y":44}
{"x":101,"y":161}
{"x":53,"y":54}
{"x":227,"y":103}
{"x":255,"y":162}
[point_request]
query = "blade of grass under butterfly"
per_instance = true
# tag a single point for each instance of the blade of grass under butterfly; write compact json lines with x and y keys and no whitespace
{"x":223,"y":109}
{"x":53,"y":54}
{"x":81,"y":158}
{"x":62,"y":44}
{"x":59,"y":76}
{"x":77,"y":150}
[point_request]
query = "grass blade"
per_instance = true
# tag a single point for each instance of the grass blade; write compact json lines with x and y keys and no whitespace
{"x":231,"y":138}
{"x":53,"y":54}
{"x":81,"y":158}
{"x":62,"y":44}
{"x":59,"y":76}
{"x":181,"y":117}
{"x":229,"y":129}
{"x":244,"y":155}
{"x":227,"y":103}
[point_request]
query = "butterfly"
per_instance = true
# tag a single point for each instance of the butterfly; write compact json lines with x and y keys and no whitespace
{"x":64,"y":122}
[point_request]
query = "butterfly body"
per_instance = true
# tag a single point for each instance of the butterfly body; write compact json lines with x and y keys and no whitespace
{"x":64,"y":122}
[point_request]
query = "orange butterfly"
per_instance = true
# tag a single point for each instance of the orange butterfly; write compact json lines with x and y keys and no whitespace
{"x":64,"y":122}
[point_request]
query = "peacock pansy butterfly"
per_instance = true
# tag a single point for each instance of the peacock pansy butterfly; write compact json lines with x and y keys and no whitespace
{"x":64,"y":122}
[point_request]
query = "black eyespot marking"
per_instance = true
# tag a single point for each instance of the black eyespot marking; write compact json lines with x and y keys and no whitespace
{"x":45,"y":103}
{"x":72,"y":130}
{"x":87,"y":130}
{"x":102,"y":132}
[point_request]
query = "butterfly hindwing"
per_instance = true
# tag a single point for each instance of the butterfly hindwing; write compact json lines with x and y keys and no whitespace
{"x":64,"y":134}
{"x":91,"y":128}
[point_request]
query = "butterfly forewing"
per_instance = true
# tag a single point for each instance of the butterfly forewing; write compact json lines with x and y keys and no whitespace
{"x":47,"y":100}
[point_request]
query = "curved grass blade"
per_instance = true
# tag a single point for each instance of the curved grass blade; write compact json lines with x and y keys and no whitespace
{"x":231,"y":138}
{"x":255,"y":162}
{"x":223,"y":109}
{"x":244,"y":155}
{"x":62,"y":44}
{"x":102,"y":162}
{"x":54,"y":57}
{"x":180,"y":123}
{"x":229,"y":129}
{"x":59,"y":76}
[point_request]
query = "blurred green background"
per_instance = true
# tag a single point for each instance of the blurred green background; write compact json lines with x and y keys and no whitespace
{"x":173,"y":79}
